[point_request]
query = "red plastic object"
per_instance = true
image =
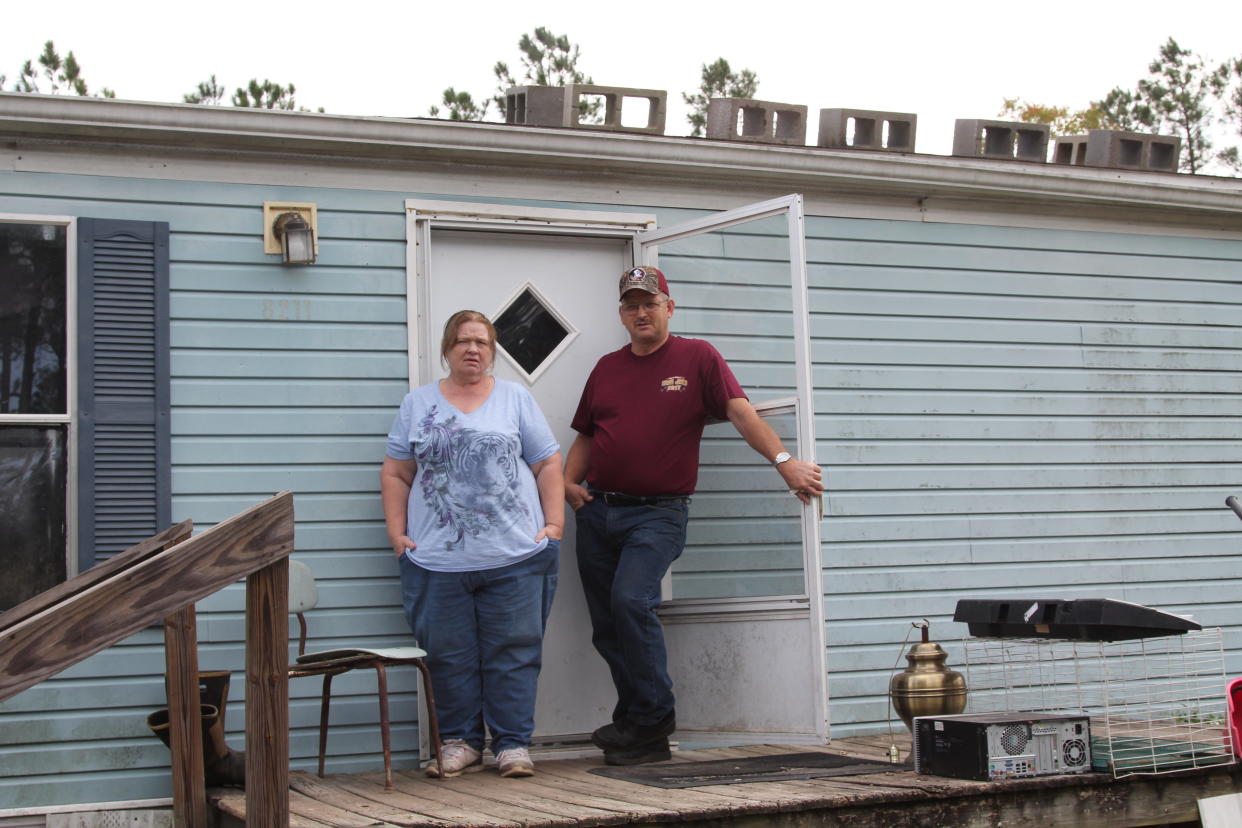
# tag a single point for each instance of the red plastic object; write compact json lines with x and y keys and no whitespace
{"x":1233,"y":691}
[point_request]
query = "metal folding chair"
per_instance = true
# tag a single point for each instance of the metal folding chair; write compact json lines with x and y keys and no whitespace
{"x":303,"y":596}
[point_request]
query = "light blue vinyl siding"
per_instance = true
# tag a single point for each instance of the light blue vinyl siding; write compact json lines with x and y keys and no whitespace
{"x":999,"y":411}
{"x":1018,"y":412}
{"x":282,"y":378}
{"x":733,"y":288}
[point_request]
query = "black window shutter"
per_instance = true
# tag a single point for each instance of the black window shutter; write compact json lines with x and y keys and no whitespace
{"x":124,"y":474}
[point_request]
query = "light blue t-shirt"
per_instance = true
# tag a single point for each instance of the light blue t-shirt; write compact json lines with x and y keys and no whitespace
{"x":474,"y":503}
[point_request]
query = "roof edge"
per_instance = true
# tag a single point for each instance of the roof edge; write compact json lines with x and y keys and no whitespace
{"x":64,"y":119}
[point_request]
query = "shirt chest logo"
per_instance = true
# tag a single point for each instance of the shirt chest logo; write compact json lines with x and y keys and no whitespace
{"x":674,"y":384}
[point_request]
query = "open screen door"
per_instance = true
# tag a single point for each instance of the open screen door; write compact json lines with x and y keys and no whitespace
{"x":743,"y":613}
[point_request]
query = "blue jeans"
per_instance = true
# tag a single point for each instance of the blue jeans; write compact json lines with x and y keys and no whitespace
{"x":483,"y":633}
{"x":623,"y":553}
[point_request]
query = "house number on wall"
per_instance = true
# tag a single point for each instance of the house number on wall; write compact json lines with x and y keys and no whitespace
{"x":286,"y":310}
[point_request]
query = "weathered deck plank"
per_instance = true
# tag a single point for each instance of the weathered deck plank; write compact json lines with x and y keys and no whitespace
{"x":307,"y":807}
{"x":674,"y":802}
{"x":579,"y":793}
{"x":564,"y":793}
{"x":473,"y":792}
{"x":387,"y":808}
{"x":498,"y":792}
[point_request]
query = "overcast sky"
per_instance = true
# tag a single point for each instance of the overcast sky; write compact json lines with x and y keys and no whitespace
{"x":940,"y":60}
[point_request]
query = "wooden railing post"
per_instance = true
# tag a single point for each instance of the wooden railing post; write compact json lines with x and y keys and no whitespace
{"x":184,"y":720}
{"x":267,"y":696}
{"x":160,"y":579}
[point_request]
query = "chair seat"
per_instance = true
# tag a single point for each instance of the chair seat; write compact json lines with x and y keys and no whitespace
{"x":351,"y":654}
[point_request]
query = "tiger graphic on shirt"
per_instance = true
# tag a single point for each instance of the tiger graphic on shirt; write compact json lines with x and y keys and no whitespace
{"x":469,"y":477}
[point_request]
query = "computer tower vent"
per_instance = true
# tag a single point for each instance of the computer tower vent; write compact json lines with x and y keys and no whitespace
{"x":1014,"y":739}
{"x":1074,"y":753}
{"x":1002,"y":745}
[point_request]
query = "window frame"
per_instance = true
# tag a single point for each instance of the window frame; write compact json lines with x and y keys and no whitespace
{"x":69,"y":418}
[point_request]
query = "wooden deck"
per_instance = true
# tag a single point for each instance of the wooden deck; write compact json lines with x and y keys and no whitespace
{"x":563,"y":793}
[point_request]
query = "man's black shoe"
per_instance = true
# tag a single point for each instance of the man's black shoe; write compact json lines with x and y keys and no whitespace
{"x":654,"y":751}
{"x":624,"y":734}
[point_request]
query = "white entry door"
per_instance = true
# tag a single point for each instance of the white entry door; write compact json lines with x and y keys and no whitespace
{"x":553,"y":297}
{"x":549,"y":281}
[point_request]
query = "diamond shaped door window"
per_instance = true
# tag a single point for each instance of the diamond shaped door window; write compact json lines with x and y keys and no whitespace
{"x":530,"y":332}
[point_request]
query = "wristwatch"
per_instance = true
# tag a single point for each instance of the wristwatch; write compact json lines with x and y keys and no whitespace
{"x":781,"y":458}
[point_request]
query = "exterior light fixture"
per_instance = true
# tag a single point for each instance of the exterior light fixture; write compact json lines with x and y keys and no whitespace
{"x":291,"y":230}
{"x":297,"y":238}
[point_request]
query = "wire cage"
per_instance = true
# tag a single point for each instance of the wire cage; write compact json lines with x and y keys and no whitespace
{"x":1156,"y":705}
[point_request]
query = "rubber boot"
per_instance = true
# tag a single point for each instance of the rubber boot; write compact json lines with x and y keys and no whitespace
{"x":158,"y":722}
{"x":221,"y":764}
{"x":224,"y":766}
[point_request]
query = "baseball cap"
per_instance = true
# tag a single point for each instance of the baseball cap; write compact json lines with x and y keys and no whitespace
{"x":645,"y":278}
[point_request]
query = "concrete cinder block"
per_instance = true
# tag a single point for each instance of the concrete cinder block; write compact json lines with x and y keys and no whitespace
{"x":867,"y":129}
{"x":614,"y":98}
{"x":1119,"y":150}
{"x":1070,"y":149}
{"x":745,"y":119}
{"x":562,"y":106}
{"x":978,"y":138}
{"x":535,"y":105}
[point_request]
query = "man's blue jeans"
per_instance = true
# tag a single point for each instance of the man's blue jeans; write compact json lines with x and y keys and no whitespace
{"x":483,"y":633}
{"x":623,"y":553}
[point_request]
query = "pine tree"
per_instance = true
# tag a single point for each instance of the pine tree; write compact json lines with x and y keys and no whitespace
{"x":547,"y":60}
{"x":266,"y":95}
{"x":718,"y":81}
{"x":460,"y":107}
{"x":1176,"y":98}
{"x":62,"y":76}
{"x":208,"y":92}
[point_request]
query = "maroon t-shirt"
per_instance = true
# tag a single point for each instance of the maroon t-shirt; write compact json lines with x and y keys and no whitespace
{"x":645,"y":415}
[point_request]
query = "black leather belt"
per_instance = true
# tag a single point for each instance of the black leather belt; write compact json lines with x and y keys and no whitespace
{"x":622,"y":499}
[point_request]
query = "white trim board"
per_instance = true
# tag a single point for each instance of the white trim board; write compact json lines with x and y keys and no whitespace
{"x":187,"y":142}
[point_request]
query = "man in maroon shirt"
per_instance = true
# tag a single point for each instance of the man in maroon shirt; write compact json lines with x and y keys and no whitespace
{"x":639,"y":424}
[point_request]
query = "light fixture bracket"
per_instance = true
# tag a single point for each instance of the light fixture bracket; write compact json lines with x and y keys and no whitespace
{"x":272,"y":210}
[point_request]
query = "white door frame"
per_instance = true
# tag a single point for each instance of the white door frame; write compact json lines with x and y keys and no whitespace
{"x":425,"y":214}
{"x":645,"y":250}
{"x":457,"y":215}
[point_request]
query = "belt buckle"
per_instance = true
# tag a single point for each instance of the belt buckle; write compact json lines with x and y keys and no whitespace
{"x":622,"y":499}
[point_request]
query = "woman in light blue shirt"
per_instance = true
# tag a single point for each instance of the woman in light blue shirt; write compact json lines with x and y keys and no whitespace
{"x":474,"y":504}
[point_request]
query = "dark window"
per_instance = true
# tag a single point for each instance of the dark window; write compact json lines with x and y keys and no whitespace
{"x":33,"y":474}
{"x":32,"y":319}
{"x":528,"y":331}
{"x":119,"y":426}
{"x":34,"y":417}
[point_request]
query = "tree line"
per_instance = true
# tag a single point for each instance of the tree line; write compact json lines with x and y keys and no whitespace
{"x":546,"y":59}
{"x":51,"y":74}
{"x":1183,"y":94}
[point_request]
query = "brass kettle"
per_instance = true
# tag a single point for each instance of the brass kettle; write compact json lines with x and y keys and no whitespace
{"x":927,"y":687}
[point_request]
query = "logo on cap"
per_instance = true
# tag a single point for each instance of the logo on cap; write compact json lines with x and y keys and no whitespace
{"x":645,"y":278}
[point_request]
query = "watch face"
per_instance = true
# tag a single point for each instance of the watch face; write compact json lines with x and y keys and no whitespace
{"x":781,"y":458}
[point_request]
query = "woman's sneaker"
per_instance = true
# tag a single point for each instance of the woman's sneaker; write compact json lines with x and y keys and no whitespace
{"x":515,"y":762}
{"x":458,"y":758}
